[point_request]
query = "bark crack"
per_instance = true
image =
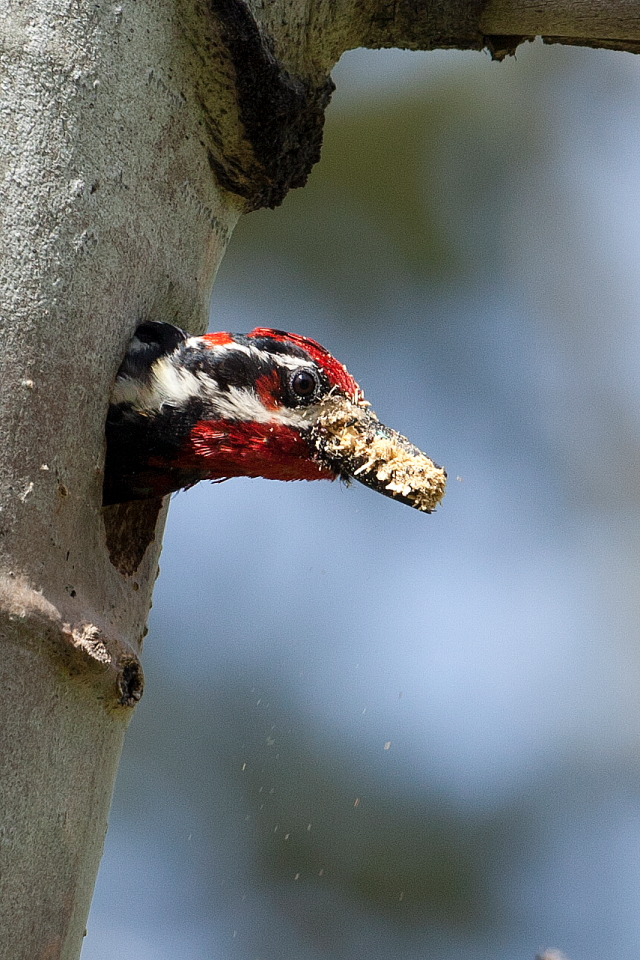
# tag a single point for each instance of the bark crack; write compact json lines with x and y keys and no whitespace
{"x":280,"y":115}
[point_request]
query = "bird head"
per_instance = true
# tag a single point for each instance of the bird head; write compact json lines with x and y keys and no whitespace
{"x":265,"y":404}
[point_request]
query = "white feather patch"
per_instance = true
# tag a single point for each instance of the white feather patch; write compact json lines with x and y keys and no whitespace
{"x":168,"y":384}
{"x":243,"y":404}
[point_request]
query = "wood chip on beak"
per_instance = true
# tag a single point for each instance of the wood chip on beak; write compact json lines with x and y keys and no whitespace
{"x":351,"y":439}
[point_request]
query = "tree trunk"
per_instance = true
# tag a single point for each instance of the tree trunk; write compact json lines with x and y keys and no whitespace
{"x":133,"y":137}
{"x":110,"y":215}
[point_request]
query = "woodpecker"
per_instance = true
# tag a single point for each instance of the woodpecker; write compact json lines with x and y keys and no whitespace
{"x":263,"y":404}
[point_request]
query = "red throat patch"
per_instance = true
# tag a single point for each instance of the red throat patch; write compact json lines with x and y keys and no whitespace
{"x":247,"y":449}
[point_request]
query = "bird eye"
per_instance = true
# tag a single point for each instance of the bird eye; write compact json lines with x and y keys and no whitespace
{"x":304,"y":384}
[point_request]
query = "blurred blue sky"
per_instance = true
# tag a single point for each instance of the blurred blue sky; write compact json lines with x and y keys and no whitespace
{"x":483,"y":660}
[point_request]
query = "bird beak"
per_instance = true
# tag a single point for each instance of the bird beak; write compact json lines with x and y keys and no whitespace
{"x":351,"y":440}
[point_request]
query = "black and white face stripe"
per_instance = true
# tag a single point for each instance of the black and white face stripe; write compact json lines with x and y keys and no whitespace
{"x":242,"y":363}
{"x":254,"y":379}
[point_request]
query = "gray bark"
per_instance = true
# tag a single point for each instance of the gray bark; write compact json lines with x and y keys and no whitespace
{"x":133,"y":136}
{"x":109,"y":214}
